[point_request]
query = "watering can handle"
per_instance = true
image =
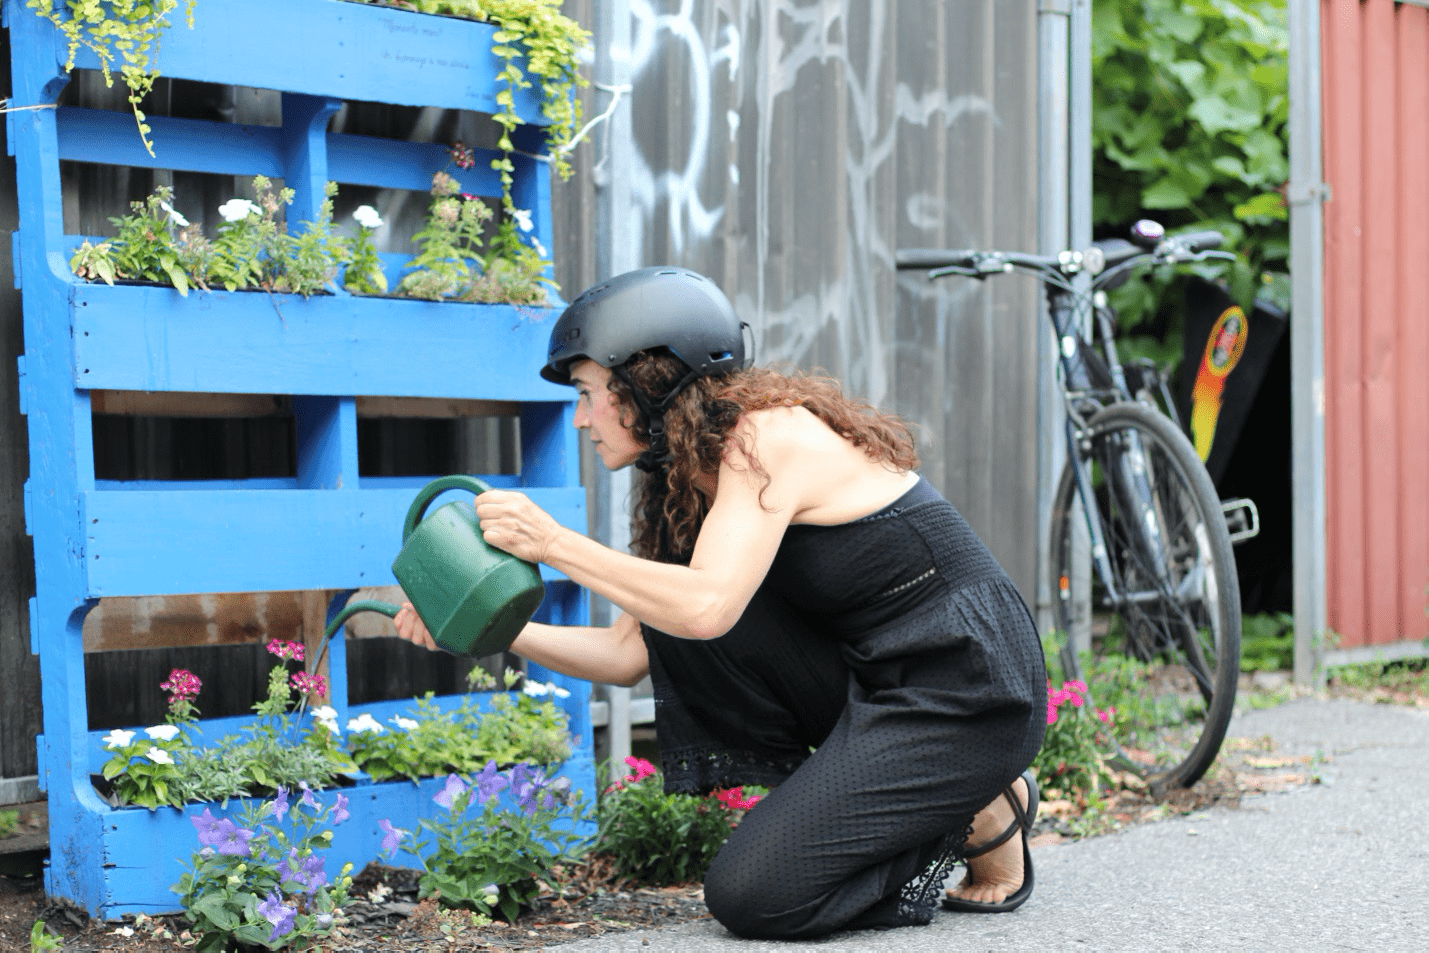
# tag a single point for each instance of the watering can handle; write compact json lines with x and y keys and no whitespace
{"x":432,"y":490}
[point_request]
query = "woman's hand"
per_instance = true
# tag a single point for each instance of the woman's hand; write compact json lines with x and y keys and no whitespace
{"x":511,"y":522}
{"x":411,"y":627}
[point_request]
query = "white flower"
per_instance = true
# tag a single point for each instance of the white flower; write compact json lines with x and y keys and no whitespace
{"x":536,"y":244}
{"x":118,"y":738}
{"x":522,"y":217}
{"x":325,"y":713}
{"x":163,"y":732}
{"x":174,"y":217}
{"x":406,"y":724}
{"x":235,"y":210}
{"x":158,"y":756}
{"x":539,"y":689}
{"x":365,"y":722}
{"x":367,"y":217}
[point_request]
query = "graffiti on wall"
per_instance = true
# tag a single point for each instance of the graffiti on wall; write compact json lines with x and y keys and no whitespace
{"x":758,"y":114}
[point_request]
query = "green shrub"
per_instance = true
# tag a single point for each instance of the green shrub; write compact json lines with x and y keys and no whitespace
{"x":1267,"y":642}
{"x":658,"y":838}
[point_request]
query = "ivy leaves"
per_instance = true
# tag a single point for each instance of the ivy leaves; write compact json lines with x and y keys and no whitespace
{"x":129,"y":29}
{"x":1189,"y":119}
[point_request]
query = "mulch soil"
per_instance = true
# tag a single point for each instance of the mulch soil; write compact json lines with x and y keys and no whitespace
{"x":589,"y":900}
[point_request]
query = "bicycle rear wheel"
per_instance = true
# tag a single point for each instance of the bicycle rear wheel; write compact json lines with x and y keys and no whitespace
{"x":1165,"y":652}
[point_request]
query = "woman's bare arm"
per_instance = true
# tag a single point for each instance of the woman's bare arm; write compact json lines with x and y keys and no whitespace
{"x":613,"y":656}
{"x":703,"y":600}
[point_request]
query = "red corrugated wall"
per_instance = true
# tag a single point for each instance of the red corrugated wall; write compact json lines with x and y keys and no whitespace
{"x":1375,"y":63}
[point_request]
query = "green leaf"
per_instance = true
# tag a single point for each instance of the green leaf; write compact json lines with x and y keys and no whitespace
{"x":1268,"y":206}
{"x":214,"y":906}
{"x":177,"y":276}
{"x":1216,"y":115}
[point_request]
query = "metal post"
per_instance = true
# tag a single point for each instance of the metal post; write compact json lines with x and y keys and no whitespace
{"x":615,"y":253}
{"x":1052,"y":208}
{"x":1307,"y":193}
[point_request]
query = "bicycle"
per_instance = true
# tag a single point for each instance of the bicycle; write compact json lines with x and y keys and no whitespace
{"x":1152,"y":625}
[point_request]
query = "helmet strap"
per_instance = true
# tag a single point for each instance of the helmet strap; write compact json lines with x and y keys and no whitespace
{"x":656,"y":457}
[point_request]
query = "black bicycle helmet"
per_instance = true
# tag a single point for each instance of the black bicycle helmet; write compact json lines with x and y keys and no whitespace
{"x":664,"y":306}
{"x":651,"y":307}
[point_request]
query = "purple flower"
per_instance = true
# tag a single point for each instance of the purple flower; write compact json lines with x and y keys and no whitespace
{"x":393,"y":836}
{"x":231,"y":839}
{"x":455,"y":788}
{"x":291,"y":869}
{"x":489,"y":783}
{"x":280,"y":916}
{"x":207,"y":826}
{"x":280,"y":803}
{"x":341,"y":813}
{"x":305,"y":875}
{"x":308,"y":799}
{"x":314,"y":872}
{"x":526,"y":784}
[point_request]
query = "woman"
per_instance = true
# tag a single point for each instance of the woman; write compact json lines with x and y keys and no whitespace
{"x":813,"y":615}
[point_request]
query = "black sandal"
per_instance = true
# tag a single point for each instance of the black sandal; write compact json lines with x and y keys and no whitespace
{"x":1022,"y":821}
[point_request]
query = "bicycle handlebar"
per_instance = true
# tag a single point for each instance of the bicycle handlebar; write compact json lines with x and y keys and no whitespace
{"x":1103,"y":258}
{"x":1199,"y":241}
{"x":934,"y":258}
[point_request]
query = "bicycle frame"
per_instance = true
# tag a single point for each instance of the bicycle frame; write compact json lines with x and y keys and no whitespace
{"x":1091,"y":382}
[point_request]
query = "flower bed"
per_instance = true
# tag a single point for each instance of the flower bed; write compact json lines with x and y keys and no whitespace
{"x":160,"y":774}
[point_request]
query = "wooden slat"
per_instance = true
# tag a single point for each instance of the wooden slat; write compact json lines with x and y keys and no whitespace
{"x":194,"y":145}
{"x":187,"y":404}
{"x":368,"y":53}
{"x":395,"y":164}
{"x":157,"y":543}
{"x":151,"y":339}
{"x":232,"y":618}
{"x":434,"y":407}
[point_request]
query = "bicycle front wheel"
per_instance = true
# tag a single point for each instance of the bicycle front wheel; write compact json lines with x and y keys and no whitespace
{"x":1159,"y":650}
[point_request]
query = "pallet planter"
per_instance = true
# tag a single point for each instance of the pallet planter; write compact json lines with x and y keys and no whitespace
{"x":325,"y":528}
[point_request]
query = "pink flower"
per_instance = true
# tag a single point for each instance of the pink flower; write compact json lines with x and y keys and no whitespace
{"x":643,"y":768}
{"x":734,"y":799}
{"x":309,"y":684}
{"x":1106,"y":715}
{"x":286,"y":650}
{"x":1051,"y":712}
{"x":462,"y":155}
{"x":182,"y":685}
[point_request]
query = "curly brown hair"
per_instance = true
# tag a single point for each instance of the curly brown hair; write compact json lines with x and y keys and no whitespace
{"x":700,"y":423}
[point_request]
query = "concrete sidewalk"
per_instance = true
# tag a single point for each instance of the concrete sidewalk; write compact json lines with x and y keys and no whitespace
{"x":1339,"y":865}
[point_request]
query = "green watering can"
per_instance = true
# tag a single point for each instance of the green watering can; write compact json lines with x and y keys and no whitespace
{"x":472,"y":597}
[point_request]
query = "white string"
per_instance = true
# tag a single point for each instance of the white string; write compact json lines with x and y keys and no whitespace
{"x":5,"y":106}
{"x":617,"y":92}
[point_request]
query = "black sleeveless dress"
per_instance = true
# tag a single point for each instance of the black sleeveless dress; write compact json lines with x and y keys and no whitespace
{"x":887,"y":680}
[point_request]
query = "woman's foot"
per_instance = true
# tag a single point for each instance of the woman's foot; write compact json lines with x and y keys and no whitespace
{"x":996,"y":875}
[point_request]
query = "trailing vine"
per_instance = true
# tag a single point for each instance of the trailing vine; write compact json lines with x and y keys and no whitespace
{"x":548,"y":41}
{"x":129,"y":29}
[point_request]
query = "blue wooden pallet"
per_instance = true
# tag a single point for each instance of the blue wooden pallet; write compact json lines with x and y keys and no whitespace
{"x":325,"y":528}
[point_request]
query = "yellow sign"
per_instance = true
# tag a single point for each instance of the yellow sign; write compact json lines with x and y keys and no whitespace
{"x":1224,"y":346}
